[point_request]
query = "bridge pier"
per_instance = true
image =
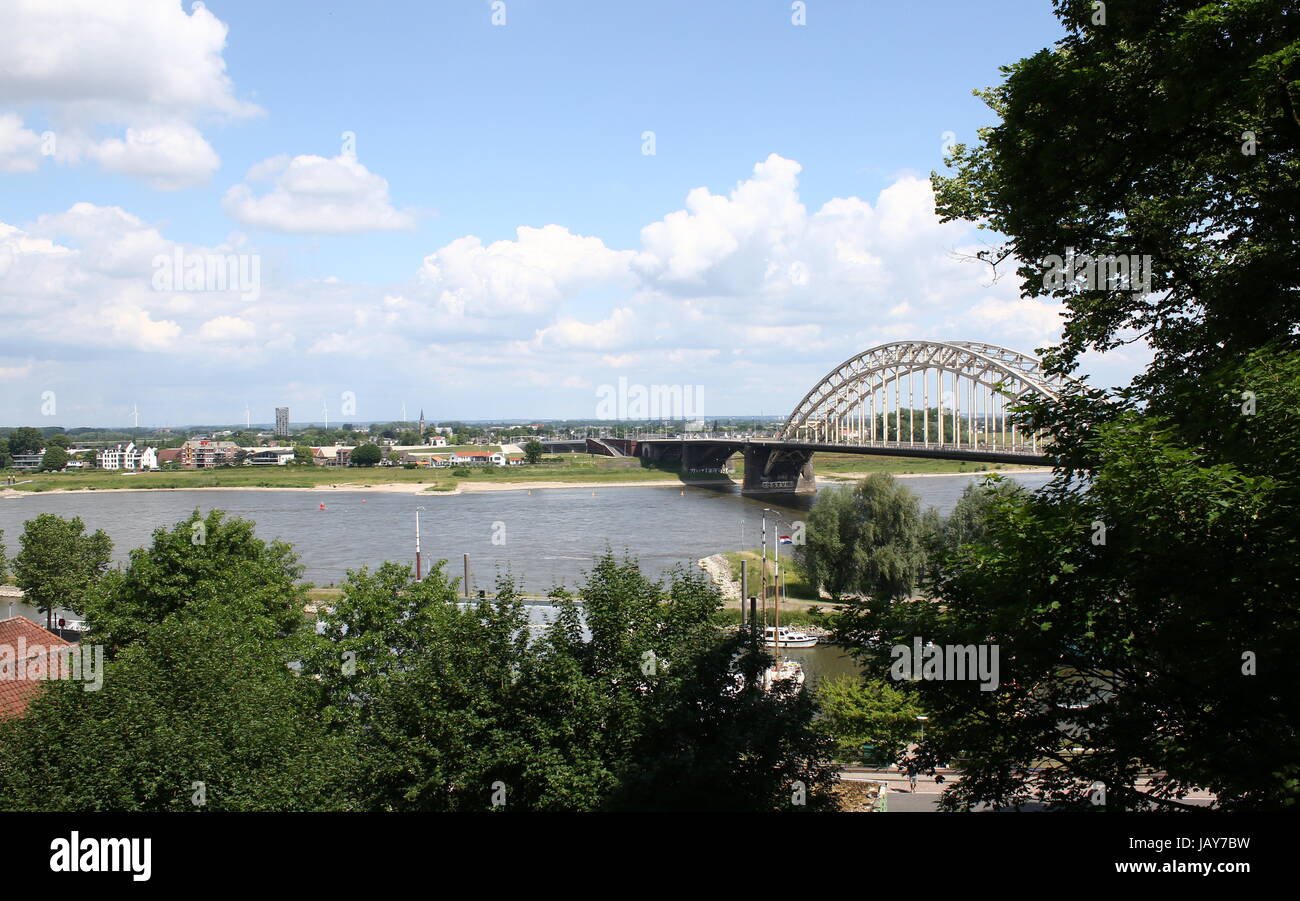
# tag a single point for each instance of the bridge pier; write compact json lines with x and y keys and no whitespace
{"x":770,"y":470}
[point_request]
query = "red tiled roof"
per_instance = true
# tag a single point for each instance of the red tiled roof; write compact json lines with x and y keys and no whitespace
{"x":20,"y":635}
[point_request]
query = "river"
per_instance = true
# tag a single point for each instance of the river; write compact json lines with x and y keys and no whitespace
{"x":545,"y":537}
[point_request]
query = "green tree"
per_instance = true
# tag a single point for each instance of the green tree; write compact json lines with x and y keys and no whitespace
{"x":869,"y":539}
{"x":1147,"y":596}
{"x":644,"y":710}
{"x":302,"y":455}
{"x":25,"y":440}
{"x":871,"y":721}
{"x":533,"y":451}
{"x":59,"y":440}
{"x":210,"y":567}
{"x":59,"y":565}
{"x":968,"y":521}
{"x":54,"y":459}
{"x":1197,"y":168}
{"x":365,"y":455}
{"x":200,"y":715}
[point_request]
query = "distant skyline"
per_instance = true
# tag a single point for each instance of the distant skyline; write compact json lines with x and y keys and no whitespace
{"x":407,"y":203}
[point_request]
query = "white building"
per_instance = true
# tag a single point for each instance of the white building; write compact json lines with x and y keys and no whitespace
{"x":269,"y":456}
{"x":127,"y":456}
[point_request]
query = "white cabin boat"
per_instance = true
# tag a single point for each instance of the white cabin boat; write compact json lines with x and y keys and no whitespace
{"x":785,"y":637}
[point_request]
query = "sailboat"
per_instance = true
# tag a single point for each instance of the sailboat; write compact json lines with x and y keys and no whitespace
{"x":781,"y":670}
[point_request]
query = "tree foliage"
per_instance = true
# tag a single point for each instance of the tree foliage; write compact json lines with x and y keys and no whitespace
{"x":869,"y":539}
{"x":365,"y":455}
{"x":627,"y":701}
{"x":197,"y":715}
{"x":1171,"y":130}
{"x":59,"y":564}
{"x":207,"y":567}
{"x":26,"y":440}
{"x":861,"y":714}
{"x":54,"y":459}
{"x":1146,"y":602}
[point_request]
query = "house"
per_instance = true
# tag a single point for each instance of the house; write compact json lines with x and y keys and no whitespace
{"x":438,"y":440}
{"x":21,"y":641}
{"x":28,"y":461}
{"x":169,"y":455}
{"x":331,"y":456}
{"x":269,"y":456}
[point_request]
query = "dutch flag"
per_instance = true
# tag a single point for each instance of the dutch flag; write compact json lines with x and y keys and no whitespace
{"x":784,"y":539}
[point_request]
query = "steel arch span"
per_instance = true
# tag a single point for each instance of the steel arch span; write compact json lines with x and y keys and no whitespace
{"x":934,"y":394}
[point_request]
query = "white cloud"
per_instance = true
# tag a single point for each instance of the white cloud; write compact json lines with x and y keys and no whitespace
{"x":20,"y":148}
{"x":227,"y":328}
{"x":145,"y":66}
{"x":315,"y":195}
{"x":168,"y":157}
{"x":750,"y":294}
{"x":527,"y":276}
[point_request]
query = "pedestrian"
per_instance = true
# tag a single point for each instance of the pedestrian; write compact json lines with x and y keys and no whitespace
{"x":911,"y":778}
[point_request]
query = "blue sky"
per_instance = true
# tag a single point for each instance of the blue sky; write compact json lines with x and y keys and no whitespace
{"x":394,"y":270}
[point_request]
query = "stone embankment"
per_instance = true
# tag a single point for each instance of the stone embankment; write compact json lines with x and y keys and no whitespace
{"x":719,"y":570}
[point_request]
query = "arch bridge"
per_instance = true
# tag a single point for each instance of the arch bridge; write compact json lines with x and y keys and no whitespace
{"x":948,"y":400}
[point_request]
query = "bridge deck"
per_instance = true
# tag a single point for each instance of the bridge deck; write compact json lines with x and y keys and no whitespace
{"x":880,"y":449}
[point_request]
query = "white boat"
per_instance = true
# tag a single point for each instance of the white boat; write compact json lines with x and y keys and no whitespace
{"x":783,"y":671}
{"x":785,"y":637}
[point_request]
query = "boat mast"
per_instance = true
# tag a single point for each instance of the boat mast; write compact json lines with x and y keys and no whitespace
{"x":763,"y":629}
{"x":777,"y":635}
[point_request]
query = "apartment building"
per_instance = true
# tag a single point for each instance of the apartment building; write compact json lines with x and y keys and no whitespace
{"x":127,"y":456}
{"x":202,"y":453}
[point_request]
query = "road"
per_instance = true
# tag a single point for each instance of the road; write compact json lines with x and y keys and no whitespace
{"x":925,"y":797}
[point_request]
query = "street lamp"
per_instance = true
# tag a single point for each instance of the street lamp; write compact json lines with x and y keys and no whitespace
{"x":922,"y":720}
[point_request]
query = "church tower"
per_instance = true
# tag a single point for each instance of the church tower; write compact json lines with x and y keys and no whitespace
{"x":421,"y":423}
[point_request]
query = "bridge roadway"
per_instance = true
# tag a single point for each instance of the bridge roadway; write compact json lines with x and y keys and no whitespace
{"x":774,"y":465}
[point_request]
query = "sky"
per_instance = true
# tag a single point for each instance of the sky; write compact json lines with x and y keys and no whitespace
{"x":485,"y":210}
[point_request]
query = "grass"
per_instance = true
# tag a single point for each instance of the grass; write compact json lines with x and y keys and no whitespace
{"x":831,"y":465}
{"x":575,"y":468}
{"x":797,"y":588}
{"x":794,"y":616}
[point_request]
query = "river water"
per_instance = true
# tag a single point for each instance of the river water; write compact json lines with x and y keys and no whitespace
{"x":545,"y":537}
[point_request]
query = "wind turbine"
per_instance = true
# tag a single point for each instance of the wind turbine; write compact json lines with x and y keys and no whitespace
{"x":325,"y":408}
{"x":135,"y":415}
{"x":248,"y":419}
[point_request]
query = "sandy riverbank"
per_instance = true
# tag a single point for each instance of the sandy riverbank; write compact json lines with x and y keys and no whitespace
{"x":830,"y":478}
{"x":382,"y":488}
{"x":469,"y":487}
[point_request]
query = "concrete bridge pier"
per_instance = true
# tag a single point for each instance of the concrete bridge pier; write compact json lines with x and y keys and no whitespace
{"x":778,"y":470}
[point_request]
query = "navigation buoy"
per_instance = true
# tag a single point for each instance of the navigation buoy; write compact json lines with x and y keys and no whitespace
{"x":322,"y":506}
